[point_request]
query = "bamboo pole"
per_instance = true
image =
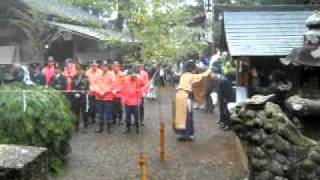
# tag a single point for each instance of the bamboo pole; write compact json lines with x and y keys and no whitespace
{"x":162,"y":142}
{"x":143,"y":167}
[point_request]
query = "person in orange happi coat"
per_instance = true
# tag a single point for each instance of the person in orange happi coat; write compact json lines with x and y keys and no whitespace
{"x":93,"y":73}
{"x":145,"y":89}
{"x":131,"y":98}
{"x":49,"y":71}
{"x":69,"y":72}
{"x":104,"y":91}
{"x":118,"y":86}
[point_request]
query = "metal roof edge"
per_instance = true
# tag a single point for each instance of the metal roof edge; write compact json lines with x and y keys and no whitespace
{"x":238,"y":8}
{"x":98,"y":34}
{"x":256,"y":56}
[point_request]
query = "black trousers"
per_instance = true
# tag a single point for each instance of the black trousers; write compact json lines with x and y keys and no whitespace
{"x":78,"y":106}
{"x":73,"y":104}
{"x":162,"y":81}
{"x":224,"y":113}
{"x":209,"y":106}
{"x":104,"y":109}
{"x":117,"y":109}
{"x":83,"y":100}
{"x":92,"y":107}
{"x":141,"y":111}
{"x":132,"y":111}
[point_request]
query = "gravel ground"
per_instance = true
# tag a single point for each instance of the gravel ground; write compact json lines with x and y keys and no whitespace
{"x":212,"y":156}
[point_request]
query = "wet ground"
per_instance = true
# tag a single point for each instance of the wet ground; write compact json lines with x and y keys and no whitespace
{"x":212,"y":156}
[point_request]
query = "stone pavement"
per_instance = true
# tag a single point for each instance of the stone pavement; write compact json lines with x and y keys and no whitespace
{"x":212,"y":156}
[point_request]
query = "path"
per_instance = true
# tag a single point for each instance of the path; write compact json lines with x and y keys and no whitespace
{"x":212,"y":156}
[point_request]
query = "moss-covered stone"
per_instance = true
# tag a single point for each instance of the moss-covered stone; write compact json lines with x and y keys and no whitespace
{"x":274,"y":145}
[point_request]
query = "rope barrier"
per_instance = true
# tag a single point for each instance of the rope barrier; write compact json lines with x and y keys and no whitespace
{"x":24,"y":91}
{"x":87,"y":103}
{"x":24,"y":101}
{"x":24,"y":97}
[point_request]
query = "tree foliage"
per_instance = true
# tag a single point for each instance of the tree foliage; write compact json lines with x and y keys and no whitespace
{"x":160,"y":27}
{"x":100,"y":8}
{"x":44,"y":119}
{"x":271,"y":2}
{"x":163,"y":28}
{"x":29,"y":23}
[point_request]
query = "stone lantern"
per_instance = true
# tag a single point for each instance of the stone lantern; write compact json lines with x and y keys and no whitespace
{"x":309,"y":53}
{"x":307,"y":62}
{"x":312,"y":36}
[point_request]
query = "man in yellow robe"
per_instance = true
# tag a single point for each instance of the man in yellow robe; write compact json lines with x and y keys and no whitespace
{"x":183,"y":115}
{"x":199,"y":90}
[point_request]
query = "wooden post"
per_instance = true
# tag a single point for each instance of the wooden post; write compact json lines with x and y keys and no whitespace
{"x":162,"y":142}
{"x":143,"y":167}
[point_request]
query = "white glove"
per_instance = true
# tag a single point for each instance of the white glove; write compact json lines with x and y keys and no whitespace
{"x":77,"y":95}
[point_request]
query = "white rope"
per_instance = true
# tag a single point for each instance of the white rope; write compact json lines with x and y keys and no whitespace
{"x":14,"y":91}
{"x":24,"y":101}
{"x":87,"y":103}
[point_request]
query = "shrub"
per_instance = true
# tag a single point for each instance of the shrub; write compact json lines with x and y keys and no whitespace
{"x":37,"y":117}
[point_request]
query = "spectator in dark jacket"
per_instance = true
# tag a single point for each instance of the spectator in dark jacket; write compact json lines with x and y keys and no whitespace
{"x":36,"y":76}
{"x":59,"y":82}
{"x":17,"y":72}
{"x":225,"y":95}
{"x":80,"y":104}
{"x":211,"y":86}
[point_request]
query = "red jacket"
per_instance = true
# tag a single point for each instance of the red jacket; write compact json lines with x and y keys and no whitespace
{"x":49,"y":71}
{"x":93,"y":75}
{"x":145,"y":77}
{"x":119,"y":83}
{"x":69,"y":72}
{"x":104,"y":88}
{"x":132,"y":91}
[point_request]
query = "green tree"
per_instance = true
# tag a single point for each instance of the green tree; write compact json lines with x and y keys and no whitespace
{"x":31,"y":24}
{"x":45,"y":120}
{"x":163,"y":30}
{"x":273,"y":2}
{"x":96,"y":7}
{"x":160,"y":27}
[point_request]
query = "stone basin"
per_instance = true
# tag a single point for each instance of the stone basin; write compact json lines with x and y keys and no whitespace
{"x":23,"y":163}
